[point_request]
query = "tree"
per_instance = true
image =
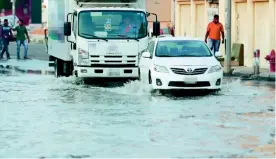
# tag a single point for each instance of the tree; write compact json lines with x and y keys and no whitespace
{"x":5,"y":5}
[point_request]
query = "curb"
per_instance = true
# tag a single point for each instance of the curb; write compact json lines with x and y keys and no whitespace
{"x":28,"y":71}
{"x":37,"y":41}
{"x":37,"y":72}
{"x":245,"y":76}
{"x":7,"y":67}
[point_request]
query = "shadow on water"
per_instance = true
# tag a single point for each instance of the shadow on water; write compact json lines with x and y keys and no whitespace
{"x":6,"y":72}
{"x":269,"y":84}
{"x":186,"y":94}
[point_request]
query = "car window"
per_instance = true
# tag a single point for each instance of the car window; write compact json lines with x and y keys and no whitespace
{"x":182,"y":48}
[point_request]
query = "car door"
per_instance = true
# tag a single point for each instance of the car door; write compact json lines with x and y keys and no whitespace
{"x":145,"y":62}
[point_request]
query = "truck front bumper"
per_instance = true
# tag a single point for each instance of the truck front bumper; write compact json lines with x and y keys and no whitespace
{"x":101,"y":72}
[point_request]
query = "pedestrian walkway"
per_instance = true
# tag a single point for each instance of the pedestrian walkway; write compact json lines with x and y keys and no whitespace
{"x":248,"y":73}
{"x":28,"y":66}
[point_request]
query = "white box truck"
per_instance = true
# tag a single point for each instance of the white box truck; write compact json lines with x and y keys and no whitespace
{"x":98,"y":38}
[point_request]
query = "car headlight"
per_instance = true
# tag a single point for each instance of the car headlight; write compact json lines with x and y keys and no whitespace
{"x":83,"y":54}
{"x":162,"y":69}
{"x":216,"y":68}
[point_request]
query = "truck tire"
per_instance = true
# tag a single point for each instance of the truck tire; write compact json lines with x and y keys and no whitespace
{"x":58,"y":68}
{"x":150,"y":80}
{"x":139,"y":75}
{"x":68,"y":71}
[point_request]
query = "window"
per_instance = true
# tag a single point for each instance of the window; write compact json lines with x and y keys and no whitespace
{"x":182,"y":48}
{"x":112,"y":24}
{"x":75,"y":23}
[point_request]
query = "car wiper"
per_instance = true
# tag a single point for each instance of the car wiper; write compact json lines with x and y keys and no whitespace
{"x":94,"y":36}
{"x":127,"y":37}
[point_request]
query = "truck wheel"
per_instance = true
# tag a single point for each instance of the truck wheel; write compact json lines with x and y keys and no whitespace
{"x":139,"y":75}
{"x":68,"y":68}
{"x":150,"y":81}
{"x":58,"y":68}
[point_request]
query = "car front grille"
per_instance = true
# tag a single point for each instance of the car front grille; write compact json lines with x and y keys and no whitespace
{"x":182,"y":84}
{"x":181,"y":71}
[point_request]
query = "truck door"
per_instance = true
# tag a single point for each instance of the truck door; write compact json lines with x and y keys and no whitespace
{"x":73,"y":46}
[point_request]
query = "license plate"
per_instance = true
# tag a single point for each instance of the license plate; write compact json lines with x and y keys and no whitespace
{"x":113,"y":72}
{"x":190,"y":80}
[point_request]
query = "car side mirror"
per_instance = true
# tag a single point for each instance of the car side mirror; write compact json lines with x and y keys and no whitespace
{"x":67,"y":28}
{"x":218,"y":54}
{"x":146,"y":55}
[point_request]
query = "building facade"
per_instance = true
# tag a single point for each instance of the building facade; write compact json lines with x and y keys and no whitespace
{"x":253,"y":23}
{"x":164,"y":10}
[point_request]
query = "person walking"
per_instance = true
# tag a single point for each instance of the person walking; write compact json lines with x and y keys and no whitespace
{"x":1,"y":41}
{"x":21,"y":39}
{"x":214,"y":31}
{"x":6,"y":36}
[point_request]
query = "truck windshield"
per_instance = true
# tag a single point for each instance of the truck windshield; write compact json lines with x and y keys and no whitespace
{"x":112,"y":24}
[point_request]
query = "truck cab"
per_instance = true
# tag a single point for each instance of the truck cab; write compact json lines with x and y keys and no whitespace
{"x":104,"y":39}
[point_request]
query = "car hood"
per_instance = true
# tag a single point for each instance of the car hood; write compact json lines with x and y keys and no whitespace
{"x":186,"y":61}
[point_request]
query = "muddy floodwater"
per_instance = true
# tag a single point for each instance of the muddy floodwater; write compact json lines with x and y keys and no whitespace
{"x":41,"y":116}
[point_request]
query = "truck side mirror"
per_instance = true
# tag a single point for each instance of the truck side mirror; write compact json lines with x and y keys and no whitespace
{"x":156,"y":28}
{"x":67,"y":28}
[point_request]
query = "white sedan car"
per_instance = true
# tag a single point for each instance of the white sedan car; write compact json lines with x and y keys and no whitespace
{"x":10,"y":20}
{"x":180,"y":63}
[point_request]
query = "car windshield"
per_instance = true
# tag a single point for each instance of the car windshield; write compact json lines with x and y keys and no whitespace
{"x":182,"y":48}
{"x":112,"y":24}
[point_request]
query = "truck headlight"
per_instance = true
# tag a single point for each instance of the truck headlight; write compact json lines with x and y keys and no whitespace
{"x":216,"y":68}
{"x":83,"y":54}
{"x":162,"y":69}
{"x":84,"y":62}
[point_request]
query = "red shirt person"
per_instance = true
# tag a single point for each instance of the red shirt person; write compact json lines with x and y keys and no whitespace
{"x":214,"y":31}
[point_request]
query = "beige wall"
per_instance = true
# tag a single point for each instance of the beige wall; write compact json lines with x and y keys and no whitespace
{"x":253,"y":24}
{"x":163,"y":9}
{"x":191,"y":17}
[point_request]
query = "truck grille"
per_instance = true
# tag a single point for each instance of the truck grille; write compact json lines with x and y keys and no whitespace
{"x":181,"y":71}
{"x":113,"y":61}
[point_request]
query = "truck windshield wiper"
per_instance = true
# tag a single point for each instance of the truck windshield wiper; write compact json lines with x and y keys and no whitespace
{"x":127,"y":37}
{"x":96,"y":37}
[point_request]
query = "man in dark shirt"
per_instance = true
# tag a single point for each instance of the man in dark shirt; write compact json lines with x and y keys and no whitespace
{"x":21,"y":39}
{"x":6,"y":35}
